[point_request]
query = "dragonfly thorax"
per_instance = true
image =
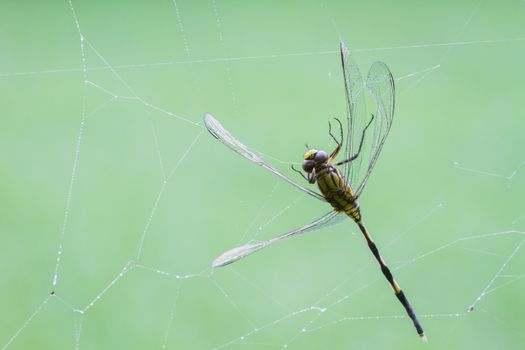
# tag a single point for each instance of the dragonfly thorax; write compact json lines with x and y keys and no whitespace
{"x":313,"y":158}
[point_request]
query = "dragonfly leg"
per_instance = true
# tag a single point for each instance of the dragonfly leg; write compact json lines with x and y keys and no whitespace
{"x":360,"y":145}
{"x":309,"y":178}
{"x":339,"y":143}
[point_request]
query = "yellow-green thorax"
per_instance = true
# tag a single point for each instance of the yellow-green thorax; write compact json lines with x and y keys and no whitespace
{"x":333,"y":186}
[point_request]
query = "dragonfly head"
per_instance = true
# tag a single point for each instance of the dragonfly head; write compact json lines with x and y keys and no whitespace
{"x":312,"y":158}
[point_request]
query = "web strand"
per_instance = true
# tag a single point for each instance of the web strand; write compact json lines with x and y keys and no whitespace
{"x":287,"y":298}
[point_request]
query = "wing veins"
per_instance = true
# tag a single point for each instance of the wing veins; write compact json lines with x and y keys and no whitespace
{"x":220,"y":133}
{"x":380,"y":85}
{"x":237,"y":253}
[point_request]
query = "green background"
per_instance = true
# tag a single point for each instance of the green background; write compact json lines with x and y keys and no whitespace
{"x":270,"y":72}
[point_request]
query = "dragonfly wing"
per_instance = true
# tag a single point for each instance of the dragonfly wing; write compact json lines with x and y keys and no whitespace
{"x":232,"y":255}
{"x":220,"y":133}
{"x":380,"y":83}
{"x":356,"y":117}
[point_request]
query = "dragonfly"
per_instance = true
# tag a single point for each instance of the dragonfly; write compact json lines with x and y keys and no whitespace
{"x":340,"y":183}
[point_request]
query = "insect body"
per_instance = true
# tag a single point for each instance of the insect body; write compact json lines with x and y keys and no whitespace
{"x":332,"y":184}
{"x":335,"y":189}
{"x":340,"y":188}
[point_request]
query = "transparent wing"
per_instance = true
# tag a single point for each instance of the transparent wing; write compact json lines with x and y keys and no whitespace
{"x":238,"y":253}
{"x":356,"y":117}
{"x":223,"y":135}
{"x":380,"y":83}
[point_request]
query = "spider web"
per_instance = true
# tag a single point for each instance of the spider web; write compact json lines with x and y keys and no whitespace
{"x":116,"y":200}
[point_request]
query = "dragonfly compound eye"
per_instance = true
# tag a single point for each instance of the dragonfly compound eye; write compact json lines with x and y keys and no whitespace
{"x":308,"y":165}
{"x":321,"y":157}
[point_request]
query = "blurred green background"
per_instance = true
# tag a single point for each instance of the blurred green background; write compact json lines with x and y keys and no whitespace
{"x":134,"y":252}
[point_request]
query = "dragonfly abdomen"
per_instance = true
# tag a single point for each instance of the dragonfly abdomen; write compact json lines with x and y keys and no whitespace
{"x":336,"y":191}
{"x":353,"y":211}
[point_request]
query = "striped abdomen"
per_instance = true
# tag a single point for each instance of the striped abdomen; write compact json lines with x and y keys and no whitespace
{"x":336,"y":191}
